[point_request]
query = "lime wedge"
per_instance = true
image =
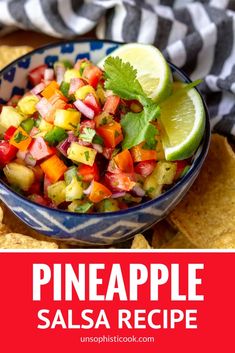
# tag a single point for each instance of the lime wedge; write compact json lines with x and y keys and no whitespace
{"x":153,"y":71}
{"x":182,"y":119}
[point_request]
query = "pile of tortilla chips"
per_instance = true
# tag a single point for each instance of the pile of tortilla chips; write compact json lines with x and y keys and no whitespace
{"x":204,"y":219}
{"x":9,"y":54}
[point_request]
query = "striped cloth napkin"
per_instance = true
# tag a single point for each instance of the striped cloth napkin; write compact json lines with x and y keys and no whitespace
{"x":197,"y":36}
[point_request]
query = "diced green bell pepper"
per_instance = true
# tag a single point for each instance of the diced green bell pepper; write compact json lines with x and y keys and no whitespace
{"x":56,"y":135}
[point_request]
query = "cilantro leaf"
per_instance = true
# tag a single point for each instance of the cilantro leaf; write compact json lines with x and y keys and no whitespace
{"x":87,"y":135}
{"x":137,"y":126}
{"x":121,"y":78}
{"x":19,"y":137}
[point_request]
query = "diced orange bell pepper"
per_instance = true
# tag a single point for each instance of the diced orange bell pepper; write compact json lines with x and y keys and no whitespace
{"x":111,"y":134}
{"x":140,"y":154}
{"x":124,"y":161}
{"x":50,"y":89}
{"x":20,"y":139}
{"x":54,"y":168}
{"x":99,"y":192}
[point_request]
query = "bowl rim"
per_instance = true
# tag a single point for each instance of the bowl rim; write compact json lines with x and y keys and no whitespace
{"x":205,"y":142}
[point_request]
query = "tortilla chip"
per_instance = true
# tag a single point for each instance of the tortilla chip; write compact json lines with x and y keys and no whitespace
{"x":179,"y":241}
{"x":208,"y":210}
{"x":19,"y":241}
{"x":9,"y":54}
{"x":140,"y":242}
{"x":162,"y":233}
{"x":225,"y":241}
{"x":12,"y":224}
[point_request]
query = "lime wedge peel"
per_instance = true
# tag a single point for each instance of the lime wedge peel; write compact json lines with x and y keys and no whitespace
{"x":181,"y":134}
{"x":153,"y":71}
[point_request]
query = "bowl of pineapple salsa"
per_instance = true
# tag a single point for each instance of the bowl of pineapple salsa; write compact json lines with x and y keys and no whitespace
{"x":98,"y":140}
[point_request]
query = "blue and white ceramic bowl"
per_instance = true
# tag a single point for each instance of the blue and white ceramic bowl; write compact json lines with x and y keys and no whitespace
{"x":89,"y":229}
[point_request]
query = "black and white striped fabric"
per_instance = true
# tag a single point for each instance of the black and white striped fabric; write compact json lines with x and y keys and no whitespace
{"x":198,"y":36}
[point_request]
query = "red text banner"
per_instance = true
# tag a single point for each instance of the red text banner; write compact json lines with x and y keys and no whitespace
{"x":117,"y":301}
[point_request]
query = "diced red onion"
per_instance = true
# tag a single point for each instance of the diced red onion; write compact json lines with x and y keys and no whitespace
{"x":21,"y":154}
{"x":63,"y":146}
{"x":84,"y":143}
{"x":88,"y":190}
{"x":38,"y":88}
{"x":75,"y":83}
{"x":138,"y":190}
{"x":48,"y":74}
{"x":43,"y":107}
{"x":97,"y":147}
{"x":84,"y":109}
{"x":29,"y":160}
{"x":59,"y":72}
{"x":34,"y":131}
{"x":72,"y":137}
{"x":116,"y":195}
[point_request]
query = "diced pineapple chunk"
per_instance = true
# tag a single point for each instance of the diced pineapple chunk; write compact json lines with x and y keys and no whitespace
{"x":83,"y":91}
{"x":81,"y":154}
{"x":108,"y":205}
{"x":67,"y":119}
{"x":71,"y":73}
{"x":100,"y":92}
{"x":10,"y":117}
{"x":44,"y":125}
{"x":163,"y":174}
{"x":80,"y":206}
{"x":159,"y":149}
{"x":27,"y":104}
{"x":19,"y":175}
{"x":56,"y":192}
{"x":74,"y":191}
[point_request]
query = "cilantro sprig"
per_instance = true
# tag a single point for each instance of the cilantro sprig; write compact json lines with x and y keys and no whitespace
{"x":121,"y":78}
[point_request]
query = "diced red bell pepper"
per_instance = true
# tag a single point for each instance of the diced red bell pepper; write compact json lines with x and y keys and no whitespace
{"x":88,"y":173}
{"x":92,"y":103}
{"x":111,"y":104}
{"x":7,"y":153}
{"x":34,"y":188}
{"x":145,"y":168}
{"x":120,"y":182}
{"x":180,"y":165}
{"x":92,"y":74}
{"x":9,"y":133}
{"x":37,"y":74}
{"x":39,"y":149}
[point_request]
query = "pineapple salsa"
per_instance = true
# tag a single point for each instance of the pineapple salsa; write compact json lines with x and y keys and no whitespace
{"x":85,"y":140}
